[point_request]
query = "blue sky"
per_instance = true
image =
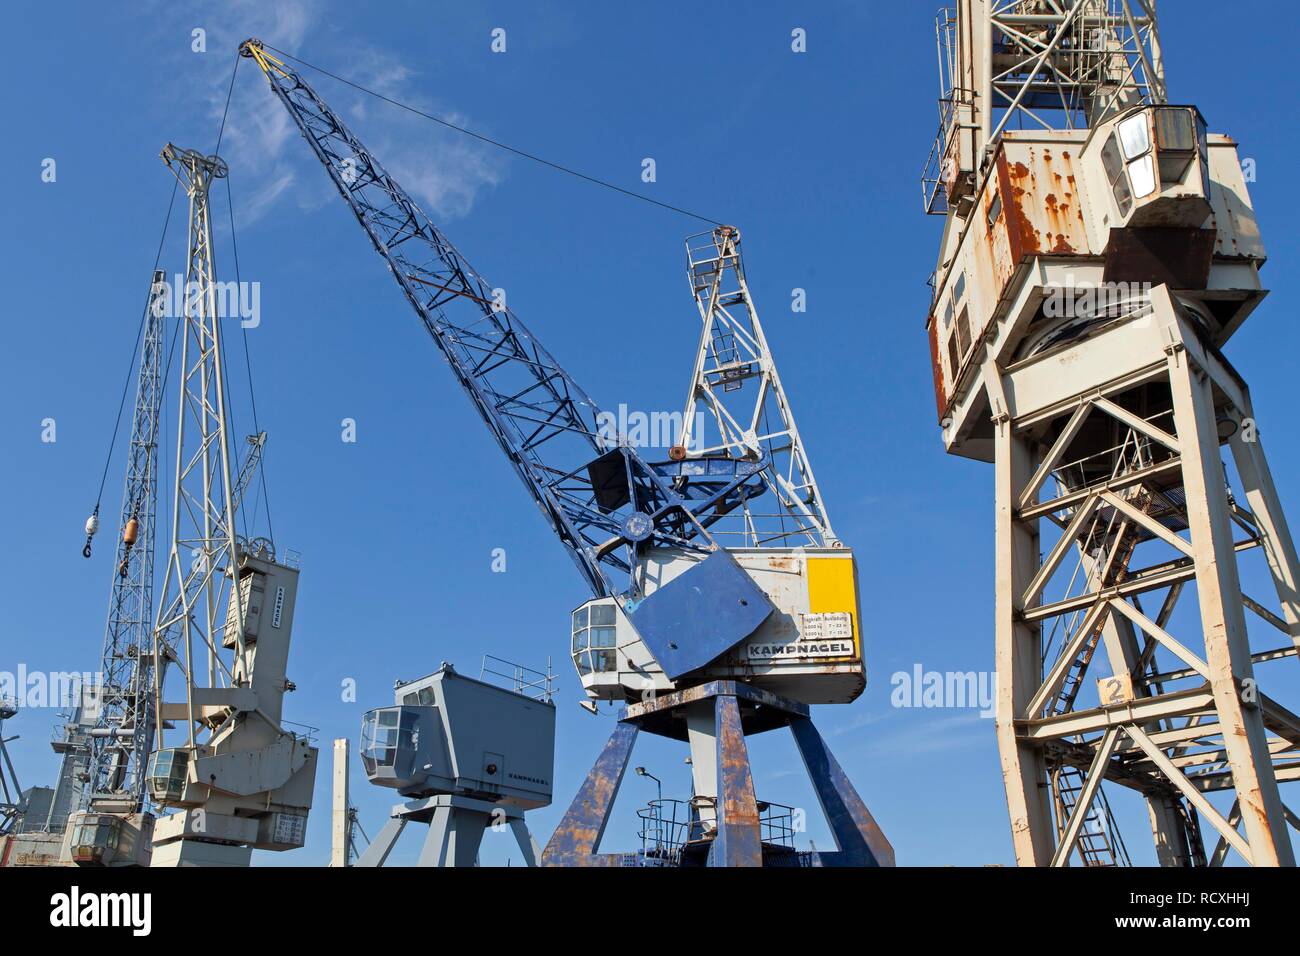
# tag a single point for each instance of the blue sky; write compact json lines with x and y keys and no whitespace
{"x":815,"y":156}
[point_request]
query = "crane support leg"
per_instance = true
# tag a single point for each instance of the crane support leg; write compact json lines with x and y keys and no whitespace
{"x":1266,"y":508}
{"x":377,"y":853}
{"x":739,"y":842}
{"x":454,"y":835}
{"x":575,"y":840}
{"x":1152,"y":477}
{"x":729,"y":826}
{"x":858,"y":837}
{"x":527,"y":845}
{"x":456,"y":828}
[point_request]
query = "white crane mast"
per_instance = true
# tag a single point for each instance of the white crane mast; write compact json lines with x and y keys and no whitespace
{"x":746,"y":414}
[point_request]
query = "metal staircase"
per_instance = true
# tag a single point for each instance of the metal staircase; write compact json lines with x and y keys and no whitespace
{"x":1099,"y":842}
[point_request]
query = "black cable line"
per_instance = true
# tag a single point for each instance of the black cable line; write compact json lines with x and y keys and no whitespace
{"x":225,"y":112}
{"x":243,"y":513}
{"x":230,"y":420}
{"x":497,"y":143}
{"x":248,"y":365}
{"x":126,"y":386}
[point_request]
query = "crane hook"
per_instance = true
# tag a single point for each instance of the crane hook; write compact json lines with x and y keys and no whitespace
{"x":92,"y":525}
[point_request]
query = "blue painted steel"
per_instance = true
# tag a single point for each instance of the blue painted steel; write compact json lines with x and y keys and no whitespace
{"x":701,"y":614}
{"x":542,"y":419}
{"x":739,"y":833}
{"x":859,"y":838}
{"x":739,"y":841}
{"x":575,"y":840}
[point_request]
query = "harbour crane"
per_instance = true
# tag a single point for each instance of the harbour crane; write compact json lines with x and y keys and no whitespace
{"x":703,"y":642}
{"x":104,"y":763}
{"x":105,"y":749}
{"x":239,"y":779}
{"x":1099,"y":251}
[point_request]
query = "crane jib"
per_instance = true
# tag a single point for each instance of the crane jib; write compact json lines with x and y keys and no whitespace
{"x":605,"y":503}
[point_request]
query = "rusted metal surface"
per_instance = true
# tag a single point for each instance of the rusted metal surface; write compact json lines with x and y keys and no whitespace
{"x":940,"y":393}
{"x":642,"y":712}
{"x":575,"y":840}
{"x":32,"y":849}
{"x":1040,"y":195}
{"x":1029,"y":207}
{"x":738,"y":710}
{"x":739,"y":842}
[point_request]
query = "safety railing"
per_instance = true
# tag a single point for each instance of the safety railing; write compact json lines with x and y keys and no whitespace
{"x":668,"y":827}
{"x":540,"y":685}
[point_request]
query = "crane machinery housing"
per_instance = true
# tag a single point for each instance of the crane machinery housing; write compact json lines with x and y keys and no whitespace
{"x":1099,"y":252}
{"x":705,"y":637}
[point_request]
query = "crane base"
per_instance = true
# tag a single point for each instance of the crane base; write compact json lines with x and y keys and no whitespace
{"x":456,"y":828}
{"x":721,"y":713}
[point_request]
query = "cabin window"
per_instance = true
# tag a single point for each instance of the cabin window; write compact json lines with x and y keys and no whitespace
{"x":1110,"y":159}
{"x":959,"y":339}
{"x":963,"y":331}
{"x":1135,"y":141}
{"x":595,"y":639}
{"x":1133,"y":137}
{"x":1177,"y":142}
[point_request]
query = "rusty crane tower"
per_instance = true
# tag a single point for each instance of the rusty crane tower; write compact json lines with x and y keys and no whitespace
{"x":1099,"y":251}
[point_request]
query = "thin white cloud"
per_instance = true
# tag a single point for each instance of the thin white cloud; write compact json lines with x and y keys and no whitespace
{"x":444,"y":171}
{"x":931,"y":734}
{"x":863,"y":719}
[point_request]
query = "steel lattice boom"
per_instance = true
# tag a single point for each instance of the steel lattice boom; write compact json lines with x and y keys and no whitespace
{"x":605,"y":503}
{"x":123,"y":726}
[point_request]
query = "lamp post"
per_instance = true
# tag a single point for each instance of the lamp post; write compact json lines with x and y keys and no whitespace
{"x":658,"y":806}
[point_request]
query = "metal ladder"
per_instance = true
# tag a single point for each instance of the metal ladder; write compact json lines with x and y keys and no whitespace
{"x":1099,"y":842}
{"x":706,"y":261}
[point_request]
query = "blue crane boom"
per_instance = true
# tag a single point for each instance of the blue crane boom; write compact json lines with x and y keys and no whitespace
{"x":603,"y":500}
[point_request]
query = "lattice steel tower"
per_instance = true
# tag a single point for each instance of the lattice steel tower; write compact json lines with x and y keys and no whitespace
{"x":118,"y":714}
{"x":203,"y":516}
{"x":226,"y":614}
{"x":725,"y":417}
{"x":1099,"y":251}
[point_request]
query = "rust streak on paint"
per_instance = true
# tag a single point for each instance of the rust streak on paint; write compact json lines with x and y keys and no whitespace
{"x":1013,"y":180}
{"x":940,"y":397}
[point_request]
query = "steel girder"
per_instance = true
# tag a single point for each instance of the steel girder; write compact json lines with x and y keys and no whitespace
{"x":1173,"y":734}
